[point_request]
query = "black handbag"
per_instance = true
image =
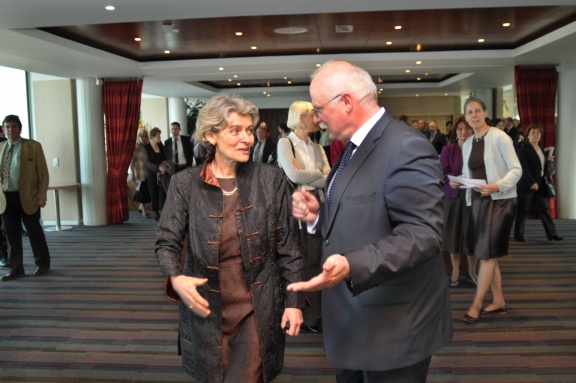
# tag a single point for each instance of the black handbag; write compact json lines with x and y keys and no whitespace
{"x":550,"y":190}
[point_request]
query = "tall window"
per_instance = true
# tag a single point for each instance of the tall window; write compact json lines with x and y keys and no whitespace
{"x":13,"y":96}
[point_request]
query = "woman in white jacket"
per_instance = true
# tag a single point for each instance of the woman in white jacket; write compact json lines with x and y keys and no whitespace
{"x":489,"y":155}
{"x":306,"y":165}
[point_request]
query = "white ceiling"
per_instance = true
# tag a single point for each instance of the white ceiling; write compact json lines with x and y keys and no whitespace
{"x":24,"y":47}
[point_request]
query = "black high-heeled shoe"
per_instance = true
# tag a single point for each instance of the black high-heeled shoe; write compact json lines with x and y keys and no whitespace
{"x":556,"y":238}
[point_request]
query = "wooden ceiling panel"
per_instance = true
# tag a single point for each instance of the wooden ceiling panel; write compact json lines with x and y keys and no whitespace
{"x":445,"y":29}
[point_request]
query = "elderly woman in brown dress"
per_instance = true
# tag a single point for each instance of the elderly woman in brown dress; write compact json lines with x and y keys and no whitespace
{"x":242,"y":250}
{"x":489,"y":155}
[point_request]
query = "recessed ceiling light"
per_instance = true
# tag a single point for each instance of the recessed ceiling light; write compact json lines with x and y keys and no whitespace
{"x":290,"y":30}
{"x":235,"y":76}
{"x":407,"y":70}
{"x":264,"y":92}
{"x":417,"y":95}
{"x":398,"y":27}
{"x":137,"y":39}
{"x":425,"y":74}
{"x":238,"y":84}
{"x":480,"y":40}
{"x":253,"y":48}
{"x":418,"y":62}
{"x":505,"y":25}
{"x":285,"y":78}
{"x":238,"y":33}
{"x":110,"y":7}
{"x":289,"y":82}
{"x":445,"y":94}
{"x":268,"y":95}
{"x":221,"y":68}
{"x":167,"y":52}
{"x":229,"y":80}
{"x":318,"y":65}
{"x":418,"y":47}
{"x":418,"y":78}
{"x":388,"y":42}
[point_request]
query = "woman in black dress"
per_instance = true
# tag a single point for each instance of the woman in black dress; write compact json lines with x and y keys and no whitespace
{"x":155,"y":154}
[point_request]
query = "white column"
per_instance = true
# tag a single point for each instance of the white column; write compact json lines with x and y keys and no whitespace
{"x":177,"y":113}
{"x":93,"y":179}
{"x":565,"y":143}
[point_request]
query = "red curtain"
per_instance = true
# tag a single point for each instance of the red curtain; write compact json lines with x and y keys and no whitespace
{"x":121,"y":109}
{"x":536,"y":89}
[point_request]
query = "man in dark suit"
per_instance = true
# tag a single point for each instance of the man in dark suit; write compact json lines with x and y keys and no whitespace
{"x":385,"y":300}
{"x":437,"y":138}
{"x":264,"y":150}
{"x":512,"y":131}
{"x":25,"y":184}
{"x":179,"y":148}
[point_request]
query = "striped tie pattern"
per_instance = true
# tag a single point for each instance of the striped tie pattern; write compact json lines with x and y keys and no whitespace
{"x":343,"y":162}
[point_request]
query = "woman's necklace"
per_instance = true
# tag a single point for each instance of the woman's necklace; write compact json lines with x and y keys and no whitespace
{"x":226,"y":193}
{"x":478,"y":138}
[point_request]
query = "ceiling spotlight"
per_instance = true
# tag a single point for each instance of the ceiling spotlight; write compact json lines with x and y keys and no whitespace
{"x":235,"y":76}
{"x":137,"y":39}
{"x":388,"y":42}
{"x":418,"y":62}
{"x":398,"y":27}
{"x":318,"y":65}
{"x":167,"y":52}
{"x":505,"y":25}
{"x":253,"y":48}
{"x":238,"y":33}
{"x":480,"y":40}
{"x":221,"y":68}
{"x":289,"y":82}
{"x":407,"y":70}
{"x":418,"y":78}
{"x":110,"y":7}
{"x":238,"y":84}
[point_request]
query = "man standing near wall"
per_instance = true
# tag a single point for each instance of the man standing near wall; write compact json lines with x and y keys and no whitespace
{"x":24,"y":178}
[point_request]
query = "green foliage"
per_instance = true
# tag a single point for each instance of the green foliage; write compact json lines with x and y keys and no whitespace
{"x":192,"y":110}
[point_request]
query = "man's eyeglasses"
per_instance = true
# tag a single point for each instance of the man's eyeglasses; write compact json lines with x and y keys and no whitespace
{"x":318,"y":111}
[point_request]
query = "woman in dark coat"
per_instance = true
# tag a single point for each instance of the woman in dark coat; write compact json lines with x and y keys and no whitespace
{"x":532,"y":185}
{"x":456,"y":213}
{"x":242,"y":250}
{"x":155,"y":154}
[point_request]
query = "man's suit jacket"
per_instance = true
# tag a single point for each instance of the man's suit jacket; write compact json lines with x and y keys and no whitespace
{"x":186,"y":144}
{"x":387,"y":220}
{"x":439,"y":141}
{"x":269,"y":149}
{"x":33,"y":177}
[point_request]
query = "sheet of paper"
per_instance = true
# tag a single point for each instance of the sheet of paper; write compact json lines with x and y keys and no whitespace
{"x":467,"y":183}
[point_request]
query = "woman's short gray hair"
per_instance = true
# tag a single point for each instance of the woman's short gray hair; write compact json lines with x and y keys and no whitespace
{"x":214,"y":115}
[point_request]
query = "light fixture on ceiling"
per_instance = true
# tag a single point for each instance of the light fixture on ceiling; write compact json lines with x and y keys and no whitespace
{"x":169,"y":26}
{"x":388,"y":42}
{"x":344,"y":28}
{"x":290,"y":30}
{"x":506,"y":25}
{"x":408,"y":70}
{"x":137,"y":39}
{"x":167,"y":52}
{"x":398,"y":27}
{"x":110,"y":8}
{"x":221,"y":68}
{"x":253,"y":48}
{"x":480,"y":40}
{"x":238,"y":33}
{"x":418,"y":62}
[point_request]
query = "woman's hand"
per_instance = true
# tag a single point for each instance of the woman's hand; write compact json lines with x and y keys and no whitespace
{"x":454,"y":185}
{"x":534,"y":186}
{"x":185,"y":287}
{"x":488,"y":189}
{"x":293,"y":317}
{"x":296,"y":163}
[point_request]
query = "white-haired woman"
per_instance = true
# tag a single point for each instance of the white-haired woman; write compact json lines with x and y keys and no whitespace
{"x":242,"y":251}
{"x":306,"y":165}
